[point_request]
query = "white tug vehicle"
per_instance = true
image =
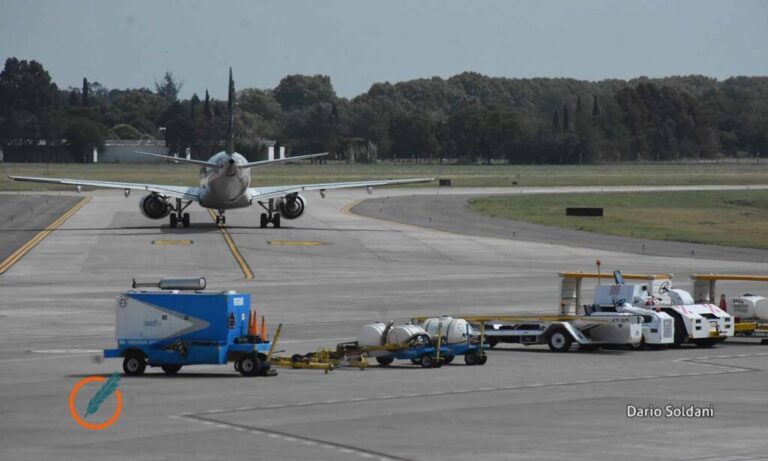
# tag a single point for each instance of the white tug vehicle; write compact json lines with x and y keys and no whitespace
{"x":701,"y":324}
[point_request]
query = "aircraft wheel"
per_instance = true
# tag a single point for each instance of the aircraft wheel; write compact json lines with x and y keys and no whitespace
{"x":264,"y":221}
{"x":276,"y":221}
{"x":185,"y":220}
{"x":174,"y":221}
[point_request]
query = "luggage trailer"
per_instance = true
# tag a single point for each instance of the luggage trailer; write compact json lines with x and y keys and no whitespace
{"x":560,"y":332}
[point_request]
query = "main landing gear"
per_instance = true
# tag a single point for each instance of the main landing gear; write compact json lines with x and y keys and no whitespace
{"x":271,"y":216}
{"x":178,"y":216}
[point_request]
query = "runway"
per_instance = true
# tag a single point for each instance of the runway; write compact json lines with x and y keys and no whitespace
{"x":323,"y":276}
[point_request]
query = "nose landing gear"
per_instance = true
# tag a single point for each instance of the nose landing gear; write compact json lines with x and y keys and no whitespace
{"x":220,"y":217}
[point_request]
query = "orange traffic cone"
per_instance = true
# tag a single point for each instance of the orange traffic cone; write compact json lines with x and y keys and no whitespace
{"x":252,"y":330}
{"x":263,"y":329}
{"x":723,"y":304}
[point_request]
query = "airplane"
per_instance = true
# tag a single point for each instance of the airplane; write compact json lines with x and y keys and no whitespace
{"x":225,"y":181}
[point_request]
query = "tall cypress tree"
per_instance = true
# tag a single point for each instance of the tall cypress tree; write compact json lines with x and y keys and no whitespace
{"x":86,"y":90}
{"x":207,"y":107}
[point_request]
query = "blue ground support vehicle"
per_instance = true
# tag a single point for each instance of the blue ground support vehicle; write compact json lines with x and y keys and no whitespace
{"x":181,"y":324}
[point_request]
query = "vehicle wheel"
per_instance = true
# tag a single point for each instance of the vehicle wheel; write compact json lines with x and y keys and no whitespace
{"x":250,"y":365}
{"x":185,"y":220}
{"x":264,"y":221}
{"x":448,"y":358}
{"x":680,"y":332}
{"x":559,"y":340}
{"x":134,"y":364}
{"x":171,"y":369}
{"x":237,"y":365}
{"x":427,"y":361}
{"x":385,"y":361}
{"x":483,"y":360}
{"x":492,"y":342}
{"x":276,"y":221}
{"x":704,"y":342}
{"x":174,"y":221}
{"x":471,"y":358}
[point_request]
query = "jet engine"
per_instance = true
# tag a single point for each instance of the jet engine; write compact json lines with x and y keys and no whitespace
{"x":153,"y":206}
{"x":292,"y":206}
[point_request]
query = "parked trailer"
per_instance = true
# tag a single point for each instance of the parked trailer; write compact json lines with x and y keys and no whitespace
{"x":750,"y":311}
{"x":560,"y":332}
{"x":181,"y":325}
{"x":386,"y":342}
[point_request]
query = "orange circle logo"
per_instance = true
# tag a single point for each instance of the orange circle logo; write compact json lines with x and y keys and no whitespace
{"x":79,"y":420}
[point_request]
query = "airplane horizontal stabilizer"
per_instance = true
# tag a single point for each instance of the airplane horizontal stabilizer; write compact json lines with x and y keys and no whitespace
{"x":181,"y":160}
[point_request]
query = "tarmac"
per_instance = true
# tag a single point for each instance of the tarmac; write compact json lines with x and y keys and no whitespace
{"x":323,"y":276}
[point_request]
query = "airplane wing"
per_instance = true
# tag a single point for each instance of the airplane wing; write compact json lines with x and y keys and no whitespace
{"x":264,"y":193}
{"x":182,"y":192}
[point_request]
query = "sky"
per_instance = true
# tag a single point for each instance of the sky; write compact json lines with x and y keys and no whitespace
{"x":131,"y":44}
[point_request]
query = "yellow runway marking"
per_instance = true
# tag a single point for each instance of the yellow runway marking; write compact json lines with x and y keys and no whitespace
{"x":233,"y":248}
{"x":172,"y":242}
{"x":297,"y":243}
{"x":24,"y":249}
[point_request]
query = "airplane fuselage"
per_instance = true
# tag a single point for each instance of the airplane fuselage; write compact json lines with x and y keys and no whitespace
{"x":226,"y":187}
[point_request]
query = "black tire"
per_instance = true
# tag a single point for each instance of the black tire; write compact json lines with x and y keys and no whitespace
{"x":250,"y":365}
{"x":385,"y":361}
{"x":492,"y":342}
{"x":171,"y":369}
{"x":705,"y":342}
{"x":559,"y":340}
{"x":483,"y":360}
{"x":681,"y":334}
{"x":276,"y":221}
{"x":448,"y":358}
{"x":237,"y":365}
{"x":471,"y":358}
{"x":264,"y":221}
{"x":185,"y":220}
{"x":427,"y":361}
{"x":134,"y":364}
{"x":174,"y":221}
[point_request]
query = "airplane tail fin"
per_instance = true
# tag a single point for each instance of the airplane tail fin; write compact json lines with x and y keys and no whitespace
{"x":231,"y":123}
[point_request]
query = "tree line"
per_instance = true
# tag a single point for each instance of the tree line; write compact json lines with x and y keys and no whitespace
{"x":467,"y":118}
